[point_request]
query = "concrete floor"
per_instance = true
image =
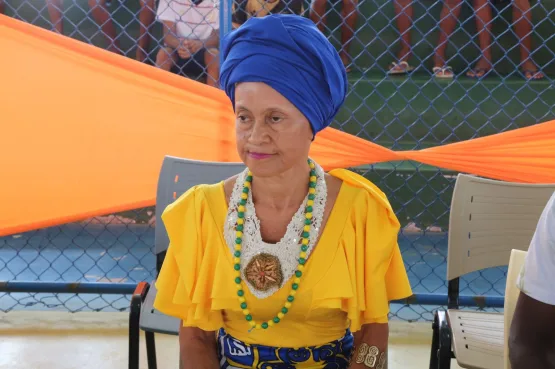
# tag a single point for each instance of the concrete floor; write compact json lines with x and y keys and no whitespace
{"x":54,"y":340}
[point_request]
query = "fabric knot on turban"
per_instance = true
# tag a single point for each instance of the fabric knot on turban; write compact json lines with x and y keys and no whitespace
{"x":288,"y":53}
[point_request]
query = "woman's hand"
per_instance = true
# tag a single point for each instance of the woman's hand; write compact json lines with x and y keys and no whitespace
{"x":370,"y":351}
{"x":197,"y":349}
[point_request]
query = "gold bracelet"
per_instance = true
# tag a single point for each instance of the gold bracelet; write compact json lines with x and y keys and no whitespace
{"x":372,"y":357}
{"x":361,"y":354}
{"x":368,"y":355}
{"x":382,"y":362}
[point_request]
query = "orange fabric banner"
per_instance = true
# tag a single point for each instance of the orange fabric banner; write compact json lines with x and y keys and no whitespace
{"x":84,"y":132}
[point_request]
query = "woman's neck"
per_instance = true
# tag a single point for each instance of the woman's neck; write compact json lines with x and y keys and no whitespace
{"x":285,"y":191}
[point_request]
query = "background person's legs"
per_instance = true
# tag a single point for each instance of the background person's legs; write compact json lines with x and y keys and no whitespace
{"x":56,"y":14}
{"x":349,"y":15}
{"x":147,"y":15}
{"x":2,"y":7}
{"x":166,"y":58}
{"x":448,"y":20}
{"x":203,"y":62}
{"x":212,"y":62}
{"x":482,"y":12}
{"x":522,"y":22}
{"x":404,"y":14}
{"x":103,"y":19}
{"x":318,"y":13}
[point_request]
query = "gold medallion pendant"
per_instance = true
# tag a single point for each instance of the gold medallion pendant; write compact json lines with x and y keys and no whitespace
{"x":264,"y":272}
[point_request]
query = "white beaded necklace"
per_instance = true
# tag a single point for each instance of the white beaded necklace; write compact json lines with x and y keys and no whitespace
{"x":286,"y":249}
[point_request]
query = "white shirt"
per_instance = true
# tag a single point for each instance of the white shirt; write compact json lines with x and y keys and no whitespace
{"x":192,"y":21}
{"x":537,"y":277}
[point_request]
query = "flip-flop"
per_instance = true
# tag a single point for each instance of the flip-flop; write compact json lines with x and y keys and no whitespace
{"x":533,"y":75}
{"x":475,"y":73}
{"x":399,"y":69}
{"x":445,"y":72}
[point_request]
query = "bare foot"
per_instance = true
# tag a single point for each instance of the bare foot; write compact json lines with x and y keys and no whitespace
{"x":397,"y":69}
{"x":480,"y":69}
{"x":530,"y":71}
{"x":484,"y":63}
{"x":443,"y":72}
{"x":404,"y":55}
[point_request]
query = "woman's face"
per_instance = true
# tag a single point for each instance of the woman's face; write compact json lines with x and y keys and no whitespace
{"x":272,"y":134}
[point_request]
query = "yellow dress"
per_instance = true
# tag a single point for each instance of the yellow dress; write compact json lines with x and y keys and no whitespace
{"x":353,"y":272}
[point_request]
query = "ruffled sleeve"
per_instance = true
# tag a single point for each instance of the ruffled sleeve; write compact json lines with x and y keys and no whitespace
{"x":367,"y":271}
{"x":188,"y":280}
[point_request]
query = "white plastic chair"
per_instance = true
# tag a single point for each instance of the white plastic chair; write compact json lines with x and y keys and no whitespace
{"x":488,"y":219}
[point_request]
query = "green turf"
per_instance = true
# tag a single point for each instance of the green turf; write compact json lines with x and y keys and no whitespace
{"x":421,"y":111}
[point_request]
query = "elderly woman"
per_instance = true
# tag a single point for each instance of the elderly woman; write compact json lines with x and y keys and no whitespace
{"x":283,"y":265}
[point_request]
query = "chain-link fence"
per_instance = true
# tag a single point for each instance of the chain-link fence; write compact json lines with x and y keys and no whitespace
{"x":422,"y":74}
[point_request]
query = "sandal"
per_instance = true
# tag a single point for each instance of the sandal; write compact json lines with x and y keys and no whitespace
{"x":445,"y":72}
{"x":532,"y":75}
{"x":478,"y":73}
{"x":399,"y":69}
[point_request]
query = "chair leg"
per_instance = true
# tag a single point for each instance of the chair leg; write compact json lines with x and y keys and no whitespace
{"x":434,"y":352}
{"x":150,"y":350}
{"x":444,"y":341}
{"x":134,"y":334}
{"x":134,"y":323}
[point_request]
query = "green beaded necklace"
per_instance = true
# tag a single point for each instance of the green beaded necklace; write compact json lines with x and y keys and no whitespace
{"x":302,"y":254}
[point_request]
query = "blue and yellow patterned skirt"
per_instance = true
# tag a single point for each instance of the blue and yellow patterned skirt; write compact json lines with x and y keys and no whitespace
{"x":234,"y":354}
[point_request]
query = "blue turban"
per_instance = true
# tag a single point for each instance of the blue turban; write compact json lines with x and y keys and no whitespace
{"x":288,"y":53}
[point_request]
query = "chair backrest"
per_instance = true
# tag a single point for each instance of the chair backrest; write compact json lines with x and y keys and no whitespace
{"x":179,"y":175}
{"x":511,"y":296}
{"x":490,"y":218}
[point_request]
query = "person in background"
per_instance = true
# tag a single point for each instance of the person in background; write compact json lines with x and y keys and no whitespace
{"x":532,"y":334}
{"x":99,"y":11}
{"x":448,"y":20}
{"x":56,"y":16}
{"x":349,"y":16}
{"x":191,"y":37}
{"x":403,"y":14}
{"x":522,"y":23}
{"x":54,"y":10}
{"x":245,"y":9}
